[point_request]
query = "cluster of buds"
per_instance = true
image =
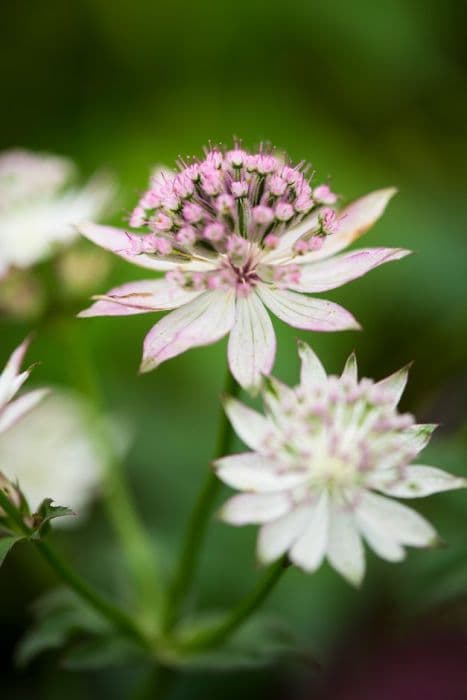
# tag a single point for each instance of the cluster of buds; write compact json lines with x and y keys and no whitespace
{"x":341,"y":422}
{"x":229,"y":193}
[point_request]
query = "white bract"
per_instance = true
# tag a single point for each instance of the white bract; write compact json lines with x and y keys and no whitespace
{"x":54,"y":453}
{"x":324,"y":453}
{"x":11,"y":381}
{"x":39,"y":207}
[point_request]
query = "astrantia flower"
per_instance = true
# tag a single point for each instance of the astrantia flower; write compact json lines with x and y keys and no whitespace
{"x":11,"y":381}
{"x":54,"y":453}
{"x":323,"y":454}
{"x":235,"y":233}
{"x":39,"y":206}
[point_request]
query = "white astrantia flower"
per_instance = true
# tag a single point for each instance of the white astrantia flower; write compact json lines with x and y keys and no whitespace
{"x":238,"y":234}
{"x":39,"y":205}
{"x":323,"y":455}
{"x":13,"y":408}
{"x":54,"y":453}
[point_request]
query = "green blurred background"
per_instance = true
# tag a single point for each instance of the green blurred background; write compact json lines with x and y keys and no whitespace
{"x":372,"y":94}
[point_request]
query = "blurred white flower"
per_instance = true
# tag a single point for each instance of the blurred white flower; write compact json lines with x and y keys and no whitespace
{"x":323,"y":454}
{"x":39,"y":206}
{"x":11,"y":381}
{"x":55,"y":453}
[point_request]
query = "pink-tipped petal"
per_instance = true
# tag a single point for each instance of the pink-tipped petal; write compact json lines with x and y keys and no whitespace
{"x":332,"y":273}
{"x":105,"y":307}
{"x":353,"y":221}
{"x":140,"y":297}
{"x":203,"y":321}
{"x":310,"y":314}
{"x":252,"y":342}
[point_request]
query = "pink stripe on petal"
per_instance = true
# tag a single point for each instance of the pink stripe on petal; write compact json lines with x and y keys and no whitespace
{"x":203,"y":321}
{"x":252,"y":342}
{"x":139,"y":297}
{"x":304,"y":312}
{"x":104,"y":307}
{"x":332,"y":273}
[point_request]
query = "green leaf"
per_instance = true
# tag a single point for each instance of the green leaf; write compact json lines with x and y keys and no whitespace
{"x":103,"y":652}
{"x":50,"y":634}
{"x":46,"y":513}
{"x":6,"y":543}
{"x":260,"y":642}
{"x":60,"y":616}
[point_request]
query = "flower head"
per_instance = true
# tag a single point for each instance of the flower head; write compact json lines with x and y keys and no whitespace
{"x":324,"y":452}
{"x":54,"y":453}
{"x":243,"y":232}
{"x":39,"y":207}
{"x":11,"y":380}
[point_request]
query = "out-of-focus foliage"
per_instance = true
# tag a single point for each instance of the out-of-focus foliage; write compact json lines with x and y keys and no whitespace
{"x":372,"y":94}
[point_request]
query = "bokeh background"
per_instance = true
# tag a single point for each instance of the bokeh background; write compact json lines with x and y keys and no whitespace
{"x":372,"y":94}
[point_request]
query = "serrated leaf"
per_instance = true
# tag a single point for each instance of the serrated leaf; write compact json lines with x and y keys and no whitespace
{"x":6,"y":543}
{"x":46,"y":513}
{"x":223,"y":659}
{"x":103,"y":652}
{"x":60,"y":616}
{"x":258,"y":643}
{"x":45,"y":636}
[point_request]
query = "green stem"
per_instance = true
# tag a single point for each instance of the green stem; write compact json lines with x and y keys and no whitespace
{"x":137,"y":547}
{"x":111,"y":612}
{"x":198,"y":521}
{"x":216,"y":635}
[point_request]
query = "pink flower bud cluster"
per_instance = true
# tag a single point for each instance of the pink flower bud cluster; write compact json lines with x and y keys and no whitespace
{"x":256,"y":196}
{"x":343,"y":406}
